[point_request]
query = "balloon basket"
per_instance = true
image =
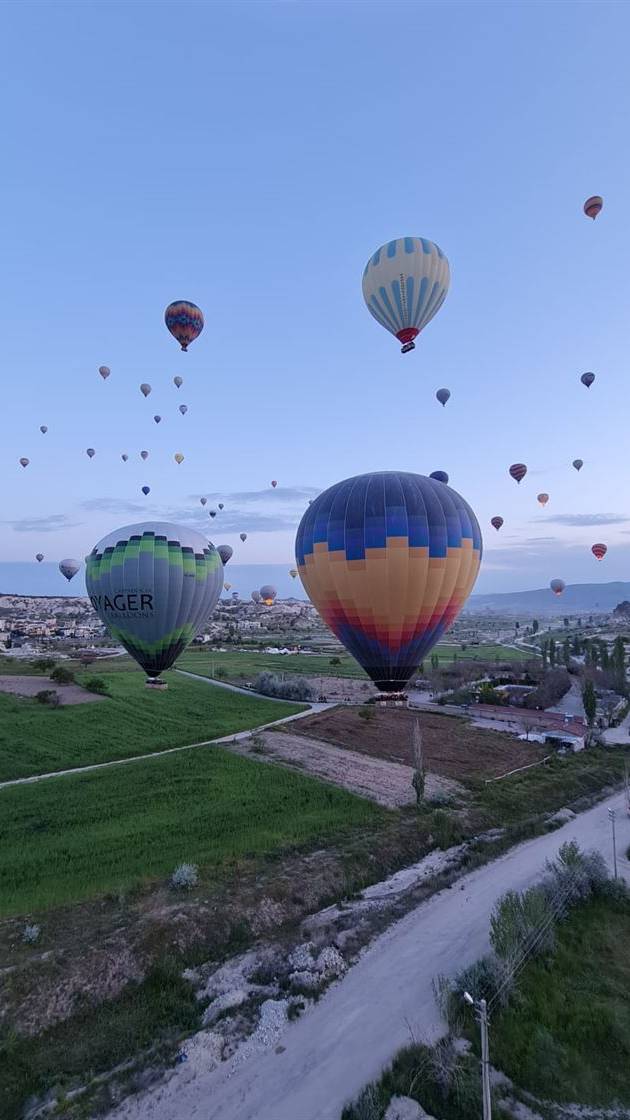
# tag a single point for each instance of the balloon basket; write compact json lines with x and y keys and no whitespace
{"x":156,"y":683}
{"x":391,"y":700}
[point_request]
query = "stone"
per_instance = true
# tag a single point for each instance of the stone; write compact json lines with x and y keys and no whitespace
{"x":563,"y":816}
{"x":301,"y":957}
{"x":404,"y":1108}
{"x":330,"y":963}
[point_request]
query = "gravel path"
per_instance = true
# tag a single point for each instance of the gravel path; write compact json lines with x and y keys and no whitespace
{"x":30,"y":686}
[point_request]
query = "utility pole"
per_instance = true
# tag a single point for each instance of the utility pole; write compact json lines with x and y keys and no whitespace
{"x":611,"y":815}
{"x":481,"y":1009}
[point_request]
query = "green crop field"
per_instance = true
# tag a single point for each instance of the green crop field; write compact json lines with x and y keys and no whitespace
{"x":76,"y":836}
{"x":134,"y":720}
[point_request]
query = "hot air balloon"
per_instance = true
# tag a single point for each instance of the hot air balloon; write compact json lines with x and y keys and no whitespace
{"x":43,"y":429}
{"x":442,"y":395}
{"x":183,"y":408}
{"x":124,"y":456}
{"x":225,"y":552}
{"x":593,"y":205}
{"x":543,"y":499}
{"x":153,"y":585}
{"x":518,"y":471}
{"x":213,"y":513}
{"x":146,"y":490}
{"x":24,"y":462}
{"x":145,"y":389}
{"x":243,"y":536}
{"x":557,"y":586}
{"x":255,"y":596}
{"x":90,"y":452}
{"x":587,"y":379}
{"x":274,"y":482}
{"x":39,"y":556}
{"x":227,"y":586}
{"x":157,"y":419}
{"x":268,"y":594}
{"x":184,"y":320}
{"x":578,"y":464}
{"x":496,"y":522}
{"x":221,"y":505}
{"x":293,"y":572}
{"x":599,"y":551}
{"x":144,"y":455}
{"x":404,"y":284}
{"x":235,"y":595}
{"x":178,"y":382}
{"x":104,"y":372}
{"x":69,"y":568}
{"x":204,"y":501}
{"x":388,"y":559}
{"x":178,"y":457}
{"x":439,"y":476}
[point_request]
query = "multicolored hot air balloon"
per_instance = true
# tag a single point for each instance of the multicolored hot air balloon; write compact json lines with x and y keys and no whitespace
{"x":268,"y":594}
{"x":542,"y":499}
{"x":293,"y":572}
{"x":24,"y":462}
{"x":243,"y":536}
{"x":557,"y":586}
{"x":443,"y":395}
{"x":389,"y":559}
{"x":39,"y":556}
{"x":43,"y":429}
{"x":144,"y":455}
{"x":518,"y":471}
{"x":599,"y":551}
{"x":274,"y":482}
{"x":255,"y":596}
{"x":178,"y":382}
{"x":225,"y":552}
{"x":404,"y":284}
{"x":145,"y":389}
{"x":578,"y":464}
{"x":183,"y":408}
{"x":496,"y":523}
{"x":90,"y":452}
{"x":204,"y":501}
{"x":146,"y":490}
{"x":104,"y":372}
{"x":124,"y":456}
{"x":587,"y":379}
{"x":184,"y":320}
{"x":69,"y":568}
{"x":439,"y":476}
{"x":593,"y":205}
{"x":178,"y":457}
{"x":153,"y":585}
{"x":227,"y":586}
{"x":157,"y":419}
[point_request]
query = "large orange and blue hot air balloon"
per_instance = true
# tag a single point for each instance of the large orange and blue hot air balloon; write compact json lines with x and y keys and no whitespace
{"x":185,"y":321}
{"x":389,"y":560}
{"x":405,"y":283}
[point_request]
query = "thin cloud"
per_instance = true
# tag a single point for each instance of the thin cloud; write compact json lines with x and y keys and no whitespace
{"x":112,"y":505}
{"x":48,"y":524}
{"x":234,"y":521}
{"x":577,"y":520}
{"x":282,"y":493}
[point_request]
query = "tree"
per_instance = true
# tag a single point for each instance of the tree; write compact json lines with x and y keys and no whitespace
{"x":435,"y":661}
{"x":61,"y":675}
{"x":565,"y":623}
{"x":618,"y":664}
{"x":552,"y":652}
{"x":535,"y":626}
{"x":528,"y":726}
{"x":418,"y":780}
{"x":589,"y":700}
{"x":566,"y":651}
{"x":604,"y":658}
{"x":544,"y":649}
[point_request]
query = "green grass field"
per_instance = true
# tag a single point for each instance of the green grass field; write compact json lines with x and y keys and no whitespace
{"x":133,"y":720}
{"x":76,"y":836}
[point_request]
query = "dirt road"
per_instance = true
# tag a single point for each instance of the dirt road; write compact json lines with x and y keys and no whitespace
{"x":327,"y":1056}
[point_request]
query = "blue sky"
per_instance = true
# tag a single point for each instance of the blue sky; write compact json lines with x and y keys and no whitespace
{"x":250,"y":157}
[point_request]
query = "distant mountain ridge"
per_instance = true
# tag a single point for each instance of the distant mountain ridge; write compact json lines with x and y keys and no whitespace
{"x":584,"y":597}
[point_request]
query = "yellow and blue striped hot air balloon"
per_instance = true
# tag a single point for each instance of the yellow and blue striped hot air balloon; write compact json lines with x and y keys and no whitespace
{"x":389,"y":560}
{"x":404,"y":284}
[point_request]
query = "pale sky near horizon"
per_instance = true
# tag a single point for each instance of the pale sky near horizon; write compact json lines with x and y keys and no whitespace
{"x":250,"y":157}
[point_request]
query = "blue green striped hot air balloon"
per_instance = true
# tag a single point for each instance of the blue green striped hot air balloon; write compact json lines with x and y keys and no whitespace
{"x":153,"y":585}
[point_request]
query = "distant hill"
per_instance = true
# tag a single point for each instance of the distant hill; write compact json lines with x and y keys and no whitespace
{"x":584,"y":598}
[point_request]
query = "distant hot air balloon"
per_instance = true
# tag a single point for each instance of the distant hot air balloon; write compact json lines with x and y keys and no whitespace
{"x":221,"y":505}
{"x":178,"y":457}
{"x":593,"y":205}
{"x":146,"y":490}
{"x":439,"y":476}
{"x":227,"y":586}
{"x":104,"y":372}
{"x":178,"y":382}
{"x":235,"y":595}
{"x":183,"y":408}
{"x":204,"y":501}
{"x":256,"y":596}
{"x":578,"y":464}
{"x":144,"y":455}
{"x":24,"y":462}
{"x":39,"y":556}
{"x":145,"y":389}
{"x":443,"y":395}
{"x":153,"y":585}
{"x":184,"y":320}
{"x":274,"y":482}
{"x":587,"y":379}
{"x":496,"y":522}
{"x":388,"y":559}
{"x":90,"y":452}
{"x":124,"y":456}
{"x":293,"y":572}
{"x":157,"y":419}
{"x":543,"y":499}
{"x":69,"y":568}
{"x":43,"y":429}
{"x":225,"y":552}
{"x":243,"y":536}
{"x":599,"y":551}
{"x":518,"y":471}
{"x":404,"y":284}
{"x":557,"y":586}
{"x":213,"y":513}
{"x":268,"y":594}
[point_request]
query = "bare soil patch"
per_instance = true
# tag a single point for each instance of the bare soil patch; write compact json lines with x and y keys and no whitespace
{"x":452,"y":746}
{"x":30,"y":686}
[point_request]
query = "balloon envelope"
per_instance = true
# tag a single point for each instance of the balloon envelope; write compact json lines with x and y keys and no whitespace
{"x":220,"y":505}
{"x":543,"y":499}
{"x":404,"y":284}
{"x":599,"y":551}
{"x":43,"y":429}
{"x":557,"y":586}
{"x":183,"y":408}
{"x":154,"y":585}
{"x":443,"y":395}
{"x":578,"y":464}
{"x":39,"y":556}
{"x":69,"y":568}
{"x":439,"y":476}
{"x":124,"y":456}
{"x":146,"y":490}
{"x":593,"y":205}
{"x":243,"y":536}
{"x":518,"y":471}
{"x":90,"y":452}
{"x":225,"y":552}
{"x":204,"y":501}
{"x":178,"y":457}
{"x":104,"y":372}
{"x":145,"y":389}
{"x":389,"y":559}
{"x":256,"y":596}
{"x":227,"y":586}
{"x":144,"y":455}
{"x":178,"y":381}
{"x":24,"y":462}
{"x":184,"y":320}
{"x":496,"y":522}
{"x":587,"y":379}
{"x":274,"y":482}
{"x":213,"y":513}
{"x":268,"y":594}
{"x":293,"y":572}
{"x":157,"y":419}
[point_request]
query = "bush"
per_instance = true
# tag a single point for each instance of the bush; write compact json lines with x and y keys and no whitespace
{"x":446,"y":829}
{"x":30,"y":934}
{"x":575,"y":875}
{"x":551,"y":689}
{"x":271,"y":685}
{"x":61,"y":675}
{"x":335,"y":661}
{"x":185,"y":877}
{"x":43,"y":664}
{"x":521,"y":920}
{"x":48,"y":696}
{"x":98,"y":685}
{"x":220,"y":673}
